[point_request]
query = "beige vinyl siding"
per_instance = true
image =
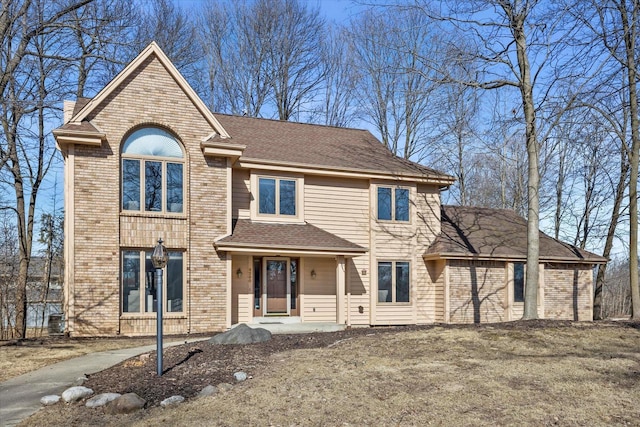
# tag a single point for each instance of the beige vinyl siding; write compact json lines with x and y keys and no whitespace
{"x":355,"y":317}
{"x":338,"y":206}
{"x":242,"y":290}
{"x":356,"y":287}
{"x":427,"y":204}
{"x":407,"y":241}
{"x":435,"y":275}
{"x":341,"y":207}
{"x":241,"y":189}
{"x":395,"y":314}
{"x":319,"y":298}
{"x":488,"y":279}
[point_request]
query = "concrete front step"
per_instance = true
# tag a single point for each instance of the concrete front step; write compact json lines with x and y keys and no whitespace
{"x":298,"y":328}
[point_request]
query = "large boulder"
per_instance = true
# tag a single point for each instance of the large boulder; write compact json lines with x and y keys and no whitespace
{"x":126,"y":404}
{"x":101,"y":399}
{"x":242,"y":334}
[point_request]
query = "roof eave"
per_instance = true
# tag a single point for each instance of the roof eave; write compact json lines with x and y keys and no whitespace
{"x":222,"y":149}
{"x":289,"y":250}
{"x":66,"y":136}
{"x":507,"y":257}
{"x":253,"y":163}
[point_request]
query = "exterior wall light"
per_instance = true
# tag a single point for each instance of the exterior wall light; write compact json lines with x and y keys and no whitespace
{"x":239,"y":273}
{"x":313,"y":274}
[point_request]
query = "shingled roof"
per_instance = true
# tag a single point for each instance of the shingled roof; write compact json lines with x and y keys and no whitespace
{"x":305,"y":237}
{"x":301,"y":144}
{"x":483,"y":233}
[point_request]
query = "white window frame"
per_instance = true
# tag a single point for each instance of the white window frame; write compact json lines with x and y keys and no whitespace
{"x":393,"y":282}
{"x":142,"y":159}
{"x":277,"y":217}
{"x":393,"y":189}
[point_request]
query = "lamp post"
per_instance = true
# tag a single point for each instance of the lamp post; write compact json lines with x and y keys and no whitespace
{"x":159,"y":259}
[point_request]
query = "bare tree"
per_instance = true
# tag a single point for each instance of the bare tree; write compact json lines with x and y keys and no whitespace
{"x":336,"y":105}
{"x":28,"y":80}
{"x":169,"y":25}
{"x":395,"y":87}
{"x":616,"y":26}
{"x":294,"y":61}
{"x":99,"y":42}
{"x":518,"y":46}
{"x":9,"y":263}
{"x":263,"y":58}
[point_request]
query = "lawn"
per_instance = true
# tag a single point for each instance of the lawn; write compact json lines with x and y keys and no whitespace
{"x":547,"y":373}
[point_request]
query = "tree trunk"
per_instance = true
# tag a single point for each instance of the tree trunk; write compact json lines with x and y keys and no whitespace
{"x":608,"y":245}
{"x":533,"y":150}
{"x":630,"y":31}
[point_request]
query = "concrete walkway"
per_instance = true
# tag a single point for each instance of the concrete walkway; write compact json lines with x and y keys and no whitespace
{"x":20,"y":396}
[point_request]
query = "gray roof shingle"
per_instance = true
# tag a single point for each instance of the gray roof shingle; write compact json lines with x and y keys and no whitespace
{"x":300,"y":237}
{"x":497,"y":233}
{"x":318,"y":146}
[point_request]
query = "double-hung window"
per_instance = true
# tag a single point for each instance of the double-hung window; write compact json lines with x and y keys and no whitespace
{"x":152,"y":172}
{"x":393,"y":281}
{"x":277,"y":196}
{"x":393,"y":204}
{"x":139,"y":283}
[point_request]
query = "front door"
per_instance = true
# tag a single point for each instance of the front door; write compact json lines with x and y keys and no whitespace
{"x":277,"y":286}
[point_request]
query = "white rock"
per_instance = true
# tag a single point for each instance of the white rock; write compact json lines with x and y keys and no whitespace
{"x":240,"y":376}
{"x":101,"y":399}
{"x":173,"y":400}
{"x":76,"y":393}
{"x":50,"y":399}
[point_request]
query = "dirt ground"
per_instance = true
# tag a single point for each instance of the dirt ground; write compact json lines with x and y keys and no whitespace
{"x":520,"y":373}
{"x":20,"y":357}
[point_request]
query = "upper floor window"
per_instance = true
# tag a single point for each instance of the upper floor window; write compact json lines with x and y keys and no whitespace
{"x":152,"y":172}
{"x":276,"y":196}
{"x":393,"y":204}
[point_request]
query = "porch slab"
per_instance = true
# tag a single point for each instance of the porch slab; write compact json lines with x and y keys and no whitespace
{"x":297,"y":328}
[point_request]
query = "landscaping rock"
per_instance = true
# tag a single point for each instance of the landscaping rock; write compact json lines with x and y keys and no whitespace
{"x":209,"y":390}
{"x":73,"y":394}
{"x":50,"y":399}
{"x":126,"y":404}
{"x":170,"y":401}
{"x":240,"y":376}
{"x":101,"y":399}
{"x":224,"y":387}
{"x":80,"y":380}
{"x":242,"y":334}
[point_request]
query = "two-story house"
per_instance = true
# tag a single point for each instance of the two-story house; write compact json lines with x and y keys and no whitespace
{"x":267,"y":220}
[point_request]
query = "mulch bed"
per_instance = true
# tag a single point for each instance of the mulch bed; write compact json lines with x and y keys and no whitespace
{"x":188,"y":368}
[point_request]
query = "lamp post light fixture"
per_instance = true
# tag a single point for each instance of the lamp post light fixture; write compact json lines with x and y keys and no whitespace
{"x":159,"y":259}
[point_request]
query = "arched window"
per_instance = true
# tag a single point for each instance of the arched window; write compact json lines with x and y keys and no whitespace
{"x":152,"y":172}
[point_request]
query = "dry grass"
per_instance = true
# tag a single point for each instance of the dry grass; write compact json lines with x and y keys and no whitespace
{"x":453,"y":377}
{"x":18,"y":358}
{"x":585,"y":374}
